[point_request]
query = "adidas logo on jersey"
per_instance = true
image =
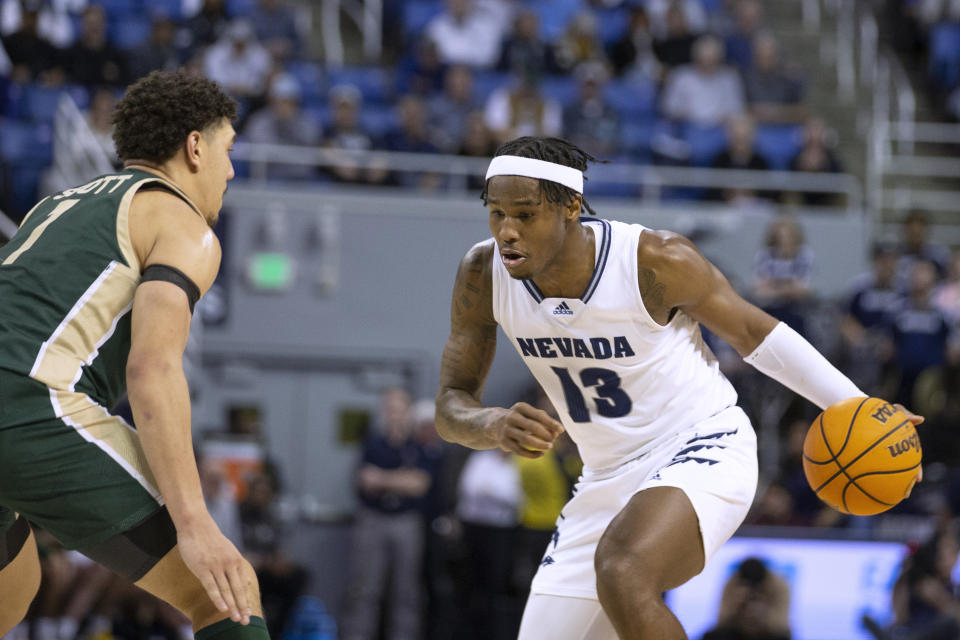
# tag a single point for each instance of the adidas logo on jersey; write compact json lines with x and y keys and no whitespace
{"x":563,"y":310}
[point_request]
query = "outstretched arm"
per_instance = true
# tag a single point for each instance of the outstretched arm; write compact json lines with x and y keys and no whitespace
{"x":688,"y":281}
{"x":467,"y":357}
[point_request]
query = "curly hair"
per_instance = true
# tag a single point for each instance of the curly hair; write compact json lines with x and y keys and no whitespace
{"x":556,"y":150}
{"x":159,"y":111}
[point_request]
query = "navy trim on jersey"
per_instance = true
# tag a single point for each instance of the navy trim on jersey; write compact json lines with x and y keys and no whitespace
{"x":605,"y":242}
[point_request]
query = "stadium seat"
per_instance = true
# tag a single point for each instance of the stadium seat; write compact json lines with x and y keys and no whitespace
{"x":129,"y":32}
{"x":377,"y":120}
{"x":945,"y":54}
{"x":172,"y":9}
{"x":633,"y":99}
{"x":554,"y":15}
{"x":39,"y":103}
{"x":115,"y":8}
{"x":705,"y":142}
{"x":635,"y":137}
{"x":375,"y":84}
{"x":309,"y":76}
{"x":778,"y":144}
{"x":240,"y":7}
{"x":611,"y":24}
{"x":563,"y":89}
{"x":417,"y":14}
{"x":486,"y":82}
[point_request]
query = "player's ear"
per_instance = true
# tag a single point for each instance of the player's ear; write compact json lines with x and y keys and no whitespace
{"x":573,"y":208}
{"x":193,"y":150}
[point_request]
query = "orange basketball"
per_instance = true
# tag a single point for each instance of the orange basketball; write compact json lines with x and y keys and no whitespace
{"x":862,"y":456}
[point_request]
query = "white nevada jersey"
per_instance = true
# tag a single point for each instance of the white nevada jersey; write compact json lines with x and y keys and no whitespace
{"x":620,"y":382}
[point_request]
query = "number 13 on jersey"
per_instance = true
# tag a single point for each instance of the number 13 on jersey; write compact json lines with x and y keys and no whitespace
{"x":611,"y":400}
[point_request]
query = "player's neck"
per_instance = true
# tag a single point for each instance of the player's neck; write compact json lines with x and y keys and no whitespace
{"x":570,"y":272}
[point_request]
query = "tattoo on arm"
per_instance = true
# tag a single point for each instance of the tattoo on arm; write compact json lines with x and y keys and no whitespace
{"x":651,"y":291}
{"x":468,"y":355}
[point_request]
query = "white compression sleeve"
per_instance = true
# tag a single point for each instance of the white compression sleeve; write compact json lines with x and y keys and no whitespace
{"x":788,"y":358}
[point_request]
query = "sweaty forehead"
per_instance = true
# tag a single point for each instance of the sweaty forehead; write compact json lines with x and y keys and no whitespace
{"x":512,"y":190}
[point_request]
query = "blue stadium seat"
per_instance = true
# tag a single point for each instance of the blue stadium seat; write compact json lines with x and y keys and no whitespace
{"x":129,"y":32}
{"x":172,"y":9}
{"x":778,"y":144}
{"x":378,"y":120}
{"x":418,"y":13}
{"x":309,"y":76}
{"x":636,"y":98}
{"x":706,"y":142}
{"x":945,"y":54}
{"x":486,"y":82}
{"x":635,"y":137}
{"x":375,"y":84}
{"x":611,"y":24}
{"x":116,"y":8}
{"x":240,"y":7}
{"x":563,"y":89}
{"x":554,"y":15}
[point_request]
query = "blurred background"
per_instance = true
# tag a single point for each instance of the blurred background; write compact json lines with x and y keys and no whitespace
{"x":809,"y":148}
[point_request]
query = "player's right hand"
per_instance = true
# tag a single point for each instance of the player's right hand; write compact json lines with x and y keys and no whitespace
{"x":526,"y":430}
{"x":225,"y":574}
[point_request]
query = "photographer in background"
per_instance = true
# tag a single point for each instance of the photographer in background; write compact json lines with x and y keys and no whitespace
{"x":755,"y":605}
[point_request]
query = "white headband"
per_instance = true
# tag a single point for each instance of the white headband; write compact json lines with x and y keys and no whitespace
{"x":531,"y":168}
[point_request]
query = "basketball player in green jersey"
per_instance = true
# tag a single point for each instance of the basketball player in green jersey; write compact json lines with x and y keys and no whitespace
{"x":98,"y":287}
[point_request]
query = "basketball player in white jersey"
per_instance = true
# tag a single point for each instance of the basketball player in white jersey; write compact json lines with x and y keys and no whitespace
{"x":607,"y":317}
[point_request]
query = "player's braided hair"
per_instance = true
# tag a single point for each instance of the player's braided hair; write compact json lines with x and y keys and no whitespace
{"x":159,"y":111}
{"x":556,"y":150}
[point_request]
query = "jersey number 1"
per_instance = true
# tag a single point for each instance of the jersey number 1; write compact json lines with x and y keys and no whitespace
{"x":611,"y":400}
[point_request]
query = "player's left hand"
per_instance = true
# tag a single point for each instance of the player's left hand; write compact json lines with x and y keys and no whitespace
{"x":914,"y":420}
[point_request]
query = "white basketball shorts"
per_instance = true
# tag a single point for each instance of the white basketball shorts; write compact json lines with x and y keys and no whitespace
{"x":714,"y":463}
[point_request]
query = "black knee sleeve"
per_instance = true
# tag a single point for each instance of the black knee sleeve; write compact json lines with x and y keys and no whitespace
{"x":134,"y":552}
{"x":12,"y":541}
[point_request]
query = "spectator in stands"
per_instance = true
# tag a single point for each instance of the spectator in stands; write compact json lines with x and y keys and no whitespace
{"x":93,"y":61}
{"x":100,"y":118}
{"x":282,"y":122}
{"x":55,"y":23}
{"x":632,"y":55}
{"x":275,"y":25}
{"x":916,"y":245}
{"x":739,"y":154}
{"x":238,"y":63}
{"x":579,"y":44}
{"x":393,"y":477}
{"x":34,"y":58}
{"x":218,"y":494}
{"x":947,"y":296}
{"x":421,"y":71}
{"x":740,"y":42}
{"x":467,"y":33}
{"x":755,"y":604}
{"x":449,"y":110}
{"x":873,"y":297}
{"x":281,"y":580}
{"x":706,"y":92}
{"x":782,"y":273}
{"x":692,"y":12}
{"x":925,"y":603}
{"x":478,"y":142}
{"x":522,"y":110}
{"x":817,"y":155}
{"x":346,"y":133}
{"x":589,"y":121}
{"x":159,"y":53}
{"x":674,"y":46}
{"x":525,"y":49}
{"x":413,"y":136}
{"x":919,"y":330}
{"x":207,"y":27}
{"x":773,"y":95}
{"x":489,"y":501}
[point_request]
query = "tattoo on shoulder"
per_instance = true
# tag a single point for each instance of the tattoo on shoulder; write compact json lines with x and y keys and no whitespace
{"x":650,"y":290}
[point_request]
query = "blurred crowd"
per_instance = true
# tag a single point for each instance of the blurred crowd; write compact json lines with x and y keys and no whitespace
{"x":676,"y":82}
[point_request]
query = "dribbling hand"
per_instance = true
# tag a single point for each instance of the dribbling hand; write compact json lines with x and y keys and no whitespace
{"x":526,"y":430}
{"x":914,"y":420}
{"x":225,"y":574}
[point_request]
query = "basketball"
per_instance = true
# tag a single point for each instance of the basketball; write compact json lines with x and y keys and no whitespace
{"x":862,"y":456}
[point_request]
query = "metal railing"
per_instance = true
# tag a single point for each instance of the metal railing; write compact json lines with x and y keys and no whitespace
{"x":652,"y":179}
{"x":77,"y":155}
{"x":893,"y":144}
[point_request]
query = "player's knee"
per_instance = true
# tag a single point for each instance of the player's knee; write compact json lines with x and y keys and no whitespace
{"x":622,"y":569}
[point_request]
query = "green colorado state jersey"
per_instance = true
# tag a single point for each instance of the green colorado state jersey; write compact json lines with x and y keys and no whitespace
{"x":67,"y":280}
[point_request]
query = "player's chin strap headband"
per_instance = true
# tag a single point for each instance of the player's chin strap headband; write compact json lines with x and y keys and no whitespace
{"x":532,"y":168}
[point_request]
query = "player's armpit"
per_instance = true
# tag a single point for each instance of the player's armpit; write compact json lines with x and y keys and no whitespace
{"x":468,"y":353}
{"x":678,"y":276}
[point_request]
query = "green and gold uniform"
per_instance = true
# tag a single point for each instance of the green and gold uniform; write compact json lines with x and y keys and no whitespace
{"x":67,"y":281}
